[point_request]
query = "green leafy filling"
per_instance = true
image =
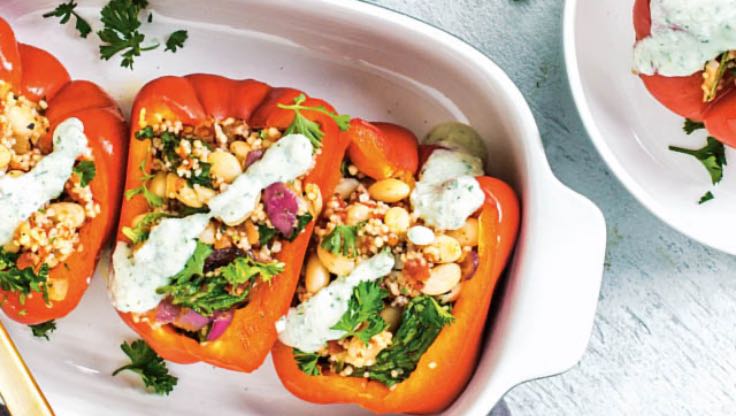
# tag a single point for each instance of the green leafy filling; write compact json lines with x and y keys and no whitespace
{"x":225,"y":290}
{"x":22,"y":281}
{"x":308,"y":362}
{"x":142,"y":228}
{"x":362,"y":318}
{"x":152,"y":199}
{"x":422,"y":321}
{"x":86,"y":171}
{"x":343,"y":240}
{"x":151,"y":367}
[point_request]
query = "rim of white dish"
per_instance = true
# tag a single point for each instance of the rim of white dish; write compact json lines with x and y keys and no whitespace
{"x":599,"y":141}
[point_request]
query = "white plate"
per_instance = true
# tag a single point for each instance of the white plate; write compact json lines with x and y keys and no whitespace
{"x":370,"y":62}
{"x":632,"y":130}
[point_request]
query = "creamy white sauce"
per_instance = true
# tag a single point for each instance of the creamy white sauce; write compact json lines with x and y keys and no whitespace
{"x":685,"y":35}
{"x":23,"y":195}
{"x":307,"y":327}
{"x":133,"y":283}
{"x":447,"y":192}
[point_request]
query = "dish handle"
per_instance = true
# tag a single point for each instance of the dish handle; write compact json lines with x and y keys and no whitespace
{"x":545,"y":320}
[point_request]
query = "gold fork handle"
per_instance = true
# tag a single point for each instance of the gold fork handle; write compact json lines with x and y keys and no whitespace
{"x":18,"y":389}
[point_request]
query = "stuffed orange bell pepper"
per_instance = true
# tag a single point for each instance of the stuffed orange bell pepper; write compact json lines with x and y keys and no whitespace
{"x":225,"y":178}
{"x":400,"y":274}
{"x":61,"y":153}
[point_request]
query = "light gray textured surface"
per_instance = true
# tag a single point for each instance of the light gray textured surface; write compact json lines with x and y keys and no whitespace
{"x":664,"y":341}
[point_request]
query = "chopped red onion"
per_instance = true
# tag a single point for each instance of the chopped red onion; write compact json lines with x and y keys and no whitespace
{"x":281,"y":207}
{"x":166,"y":312}
{"x":469,"y":265}
{"x":191,"y":321}
{"x":252,"y":157}
{"x":221,"y":322}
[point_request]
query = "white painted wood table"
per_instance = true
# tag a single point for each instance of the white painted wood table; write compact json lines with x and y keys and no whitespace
{"x":664,"y":341}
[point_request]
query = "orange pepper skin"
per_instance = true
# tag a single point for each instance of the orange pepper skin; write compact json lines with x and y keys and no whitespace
{"x":199,"y":98}
{"x":36,"y":74}
{"x":383,"y":150}
{"x":453,"y":354}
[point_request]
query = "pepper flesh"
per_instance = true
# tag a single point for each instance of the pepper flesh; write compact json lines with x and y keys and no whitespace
{"x":445,"y":368}
{"x":36,"y":74}
{"x":193,"y":99}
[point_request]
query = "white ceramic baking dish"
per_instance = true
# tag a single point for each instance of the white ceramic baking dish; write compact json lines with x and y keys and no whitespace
{"x":380,"y":65}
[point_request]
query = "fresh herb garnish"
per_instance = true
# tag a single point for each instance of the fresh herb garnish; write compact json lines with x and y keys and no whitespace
{"x":243,"y":269}
{"x":362,"y":318}
{"x":309,"y":128}
{"x":151,"y":367}
{"x":120,"y":33}
{"x":152,"y":199}
{"x":307,"y":362}
{"x":712,"y":156}
{"x":86,"y":171}
{"x":690,"y":126}
{"x":422,"y":321}
{"x":43,"y":329}
{"x":65,"y":11}
{"x":265,"y":234}
{"x":705,"y":198}
{"x":343,"y":240}
{"x":144,"y":133}
{"x":142,"y":228}
{"x":222,"y":291}
{"x":202,"y":178}
{"x":176,"y":40}
{"x":22,"y":281}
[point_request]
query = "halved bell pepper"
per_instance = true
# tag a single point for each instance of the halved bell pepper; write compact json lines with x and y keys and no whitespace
{"x":198,"y":98}
{"x":36,"y":74}
{"x":445,"y":368}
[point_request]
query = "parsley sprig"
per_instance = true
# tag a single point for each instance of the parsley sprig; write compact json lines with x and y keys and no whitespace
{"x":121,"y":32}
{"x":309,"y":128}
{"x":712,"y":156}
{"x":65,"y":11}
{"x":343,"y":239}
{"x":43,"y":329}
{"x":362,"y":318}
{"x":151,"y":367}
{"x":140,"y":231}
{"x":22,"y":281}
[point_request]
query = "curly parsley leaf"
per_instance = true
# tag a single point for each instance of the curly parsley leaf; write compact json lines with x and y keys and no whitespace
{"x":140,"y":231}
{"x":176,"y":40}
{"x":120,"y":33}
{"x":86,"y":171}
{"x":22,"y":281}
{"x":362,"y":318}
{"x":144,"y":133}
{"x":308,"y":362}
{"x":151,"y":367}
{"x":712,"y":156}
{"x":43,"y":330}
{"x":422,"y":321}
{"x":309,"y":128}
{"x":153,"y":200}
{"x":243,"y":269}
{"x":65,"y":11}
{"x":705,"y":198}
{"x":690,"y":126}
{"x":266,"y":234}
{"x":343,"y":240}
{"x":202,"y":176}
